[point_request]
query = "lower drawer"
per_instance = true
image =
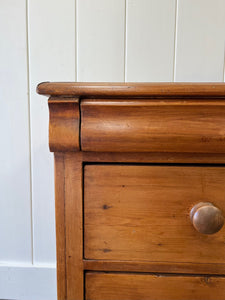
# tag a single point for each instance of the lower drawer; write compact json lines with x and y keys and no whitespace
{"x":112,"y":286}
{"x":141,"y":213}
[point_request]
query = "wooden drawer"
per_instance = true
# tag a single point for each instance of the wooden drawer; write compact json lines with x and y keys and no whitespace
{"x":100,"y":286}
{"x":141,"y":213}
{"x":153,"y":125}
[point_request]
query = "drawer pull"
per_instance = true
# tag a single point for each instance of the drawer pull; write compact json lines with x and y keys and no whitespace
{"x":206,"y":218}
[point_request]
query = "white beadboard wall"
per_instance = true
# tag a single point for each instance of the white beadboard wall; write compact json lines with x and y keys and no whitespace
{"x":79,"y":40}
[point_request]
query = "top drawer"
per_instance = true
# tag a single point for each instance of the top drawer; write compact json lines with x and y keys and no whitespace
{"x":153,"y":125}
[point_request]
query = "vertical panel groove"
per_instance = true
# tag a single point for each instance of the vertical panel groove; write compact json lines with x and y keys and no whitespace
{"x":175,"y":42}
{"x":125,"y":41}
{"x":29,"y":134}
{"x":15,"y":237}
{"x":51,"y":58}
{"x":76,"y":48}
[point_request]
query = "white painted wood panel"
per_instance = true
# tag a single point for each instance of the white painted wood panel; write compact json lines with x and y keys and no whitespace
{"x":150,"y":40}
{"x":100,"y":40}
{"x":15,"y":205}
{"x":200,"y":40}
{"x":26,"y":282}
{"x":52,"y":58}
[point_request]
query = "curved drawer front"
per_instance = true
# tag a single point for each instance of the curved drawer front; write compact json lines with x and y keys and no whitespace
{"x":153,"y":125}
{"x":141,"y":213}
{"x":150,"y":287}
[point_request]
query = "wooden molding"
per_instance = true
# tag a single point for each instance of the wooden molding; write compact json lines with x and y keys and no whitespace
{"x":143,"y":125}
{"x":64,"y":124}
{"x":154,"y":267}
{"x":136,"y":117}
{"x":105,"y":89}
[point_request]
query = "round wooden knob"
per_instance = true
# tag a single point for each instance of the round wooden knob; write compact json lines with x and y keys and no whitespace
{"x":206,"y":218}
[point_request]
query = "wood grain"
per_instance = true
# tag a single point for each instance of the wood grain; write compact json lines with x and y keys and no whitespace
{"x":135,"y":218}
{"x":101,"y":89}
{"x":206,"y":218}
{"x":64,"y":124}
{"x":74,"y":226}
{"x":100,"y":286}
{"x":153,"y":267}
{"x":60,"y":225}
{"x":141,"y":213}
{"x":151,"y":157}
{"x":153,"y":126}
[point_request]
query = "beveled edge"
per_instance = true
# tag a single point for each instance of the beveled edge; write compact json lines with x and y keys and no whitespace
{"x":106,"y":89}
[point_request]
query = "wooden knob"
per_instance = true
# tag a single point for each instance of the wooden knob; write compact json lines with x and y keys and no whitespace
{"x":206,"y":218}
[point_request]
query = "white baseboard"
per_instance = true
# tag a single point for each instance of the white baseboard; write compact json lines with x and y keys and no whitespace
{"x":28,"y":282}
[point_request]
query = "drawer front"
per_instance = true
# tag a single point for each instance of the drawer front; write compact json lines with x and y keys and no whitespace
{"x":153,"y":125}
{"x":141,"y":213}
{"x":150,"y":287}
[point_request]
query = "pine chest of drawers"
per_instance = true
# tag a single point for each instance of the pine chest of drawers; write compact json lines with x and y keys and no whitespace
{"x":139,"y":190}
